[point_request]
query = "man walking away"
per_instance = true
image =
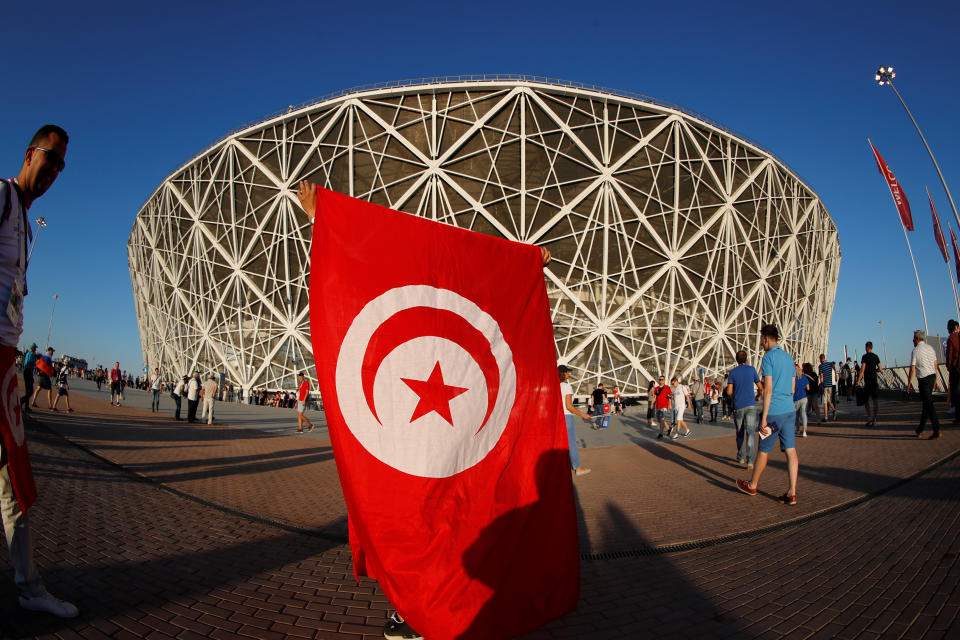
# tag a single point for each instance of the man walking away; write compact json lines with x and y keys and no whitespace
{"x":923,"y":362}
{"x":42,"y":163}
{"x":698,"y":400}
{"x":209,"y":395}
{"x":846,"y":378}
{"x":156,"y":383}
{"x":303,"y":393}
{"x":29,"y":364}
{"x":599,"y":396}
{"x":953,"y":367}
{"x":869,"y":368}
{"x":63,"y":389}
{"x":777,"y":418}
{"x":177,"y":396}
{"x":827,"y":372}
{"x":802,"y":385}
{"x":743,"y":384}
{"x":193,"y":397}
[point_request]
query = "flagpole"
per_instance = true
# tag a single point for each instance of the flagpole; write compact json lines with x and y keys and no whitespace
{"x":903,"y":226}
{"x":953,"y":279}
{"x":885,"y":75}
{"x":923,"y":307}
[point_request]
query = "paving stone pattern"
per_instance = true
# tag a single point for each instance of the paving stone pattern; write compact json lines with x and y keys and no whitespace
{"x":142,"y":562}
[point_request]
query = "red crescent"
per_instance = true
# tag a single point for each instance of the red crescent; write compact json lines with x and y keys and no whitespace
{"x":417,"y":322}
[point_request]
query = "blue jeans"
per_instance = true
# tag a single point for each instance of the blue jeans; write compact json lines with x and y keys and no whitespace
{"x":745,"y":421}
{"x":801,"y":419}
{"x":155,"y":405}
{"x":698,"y":410}
{"x":176,"y":414}
{"x":572,"y":442}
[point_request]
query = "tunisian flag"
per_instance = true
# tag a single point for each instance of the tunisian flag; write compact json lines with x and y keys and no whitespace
{"x":11,"y":431}
{"x":899,"y":198}
{"x":436,"y":362}
{"x":938,"y":230}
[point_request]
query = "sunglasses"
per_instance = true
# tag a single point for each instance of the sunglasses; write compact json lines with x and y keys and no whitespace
{"x":57,"y":162}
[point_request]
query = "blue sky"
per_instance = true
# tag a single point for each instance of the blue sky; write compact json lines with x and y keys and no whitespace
{"x":141,"y":89}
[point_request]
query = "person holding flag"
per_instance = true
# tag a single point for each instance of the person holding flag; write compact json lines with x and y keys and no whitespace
{"x":445,"y":418}
{"x":42,"y":164}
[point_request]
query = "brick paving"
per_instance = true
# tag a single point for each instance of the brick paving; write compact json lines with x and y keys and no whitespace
{"x":142,"y":562}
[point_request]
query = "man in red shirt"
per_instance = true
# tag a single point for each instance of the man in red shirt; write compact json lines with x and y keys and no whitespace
{"x":663,"y":394}
{"x":302,"y":394}
{"x":115,"y":390}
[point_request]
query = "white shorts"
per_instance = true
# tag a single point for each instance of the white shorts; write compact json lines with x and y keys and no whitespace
{"x":301,"y":406}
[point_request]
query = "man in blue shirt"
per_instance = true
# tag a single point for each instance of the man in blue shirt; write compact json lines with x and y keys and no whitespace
{"x":828,"y":372}
{"x":801,"y":386}
{"x":29,"y":364}
{"x":741,"y":386}
{"x":777,"y":417}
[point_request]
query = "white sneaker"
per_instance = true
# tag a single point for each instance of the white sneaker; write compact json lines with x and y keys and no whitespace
{"x":583,"y":472}
{"x":675,"y":436}
{"x":49,"y":604}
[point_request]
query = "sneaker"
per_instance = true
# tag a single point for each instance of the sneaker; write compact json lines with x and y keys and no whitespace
{"x":803,"y":435}
{"x":749,"y":466}
{"x":935,"y":436}
{"x":790,"y":500}
{"x":675,"y":436}
{"x":744,"y":486}
{"x":687,"y":434}
{"x":582,"y":471}
{"x":399,"y":630}
{"x":310,"y":428}
{"x":49,"y":604}
{"x":659,"y":436}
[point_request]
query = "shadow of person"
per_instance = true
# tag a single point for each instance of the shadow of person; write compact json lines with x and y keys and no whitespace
{"x":529,"y":558}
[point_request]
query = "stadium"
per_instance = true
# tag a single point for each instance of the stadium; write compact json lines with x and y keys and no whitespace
{"x":674,"y":239}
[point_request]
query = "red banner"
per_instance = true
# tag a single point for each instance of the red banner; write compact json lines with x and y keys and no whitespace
{"x":11,"y":430}
{"x":899,"y":197}
{"x":937,"y":229}
{"x":437,"y":366}
{"x":956,"y":253}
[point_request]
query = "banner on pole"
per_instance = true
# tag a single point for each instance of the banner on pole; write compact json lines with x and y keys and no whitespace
{"x":937,"y":229}
{"x":899,"y":197}
{"x":956,"y":253}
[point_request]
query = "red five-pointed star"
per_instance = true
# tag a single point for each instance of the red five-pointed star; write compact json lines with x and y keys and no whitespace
{"x":434,"y":395}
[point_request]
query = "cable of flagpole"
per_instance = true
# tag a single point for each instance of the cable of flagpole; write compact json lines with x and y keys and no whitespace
{"x":885,"y":75}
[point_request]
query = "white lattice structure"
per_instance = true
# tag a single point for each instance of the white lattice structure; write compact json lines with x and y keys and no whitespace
{"x":673,"y":239}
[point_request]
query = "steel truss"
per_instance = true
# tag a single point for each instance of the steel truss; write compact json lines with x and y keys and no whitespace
{"x":673,"y":239}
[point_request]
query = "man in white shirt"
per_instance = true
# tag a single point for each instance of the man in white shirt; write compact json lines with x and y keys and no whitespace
{"x":566,"y":398}
{"x":209,"y":395}
{"x":923,"y":362}
{"x":178,"y":397}
{"x":156,"y":383}
{"x":193,"y":397}
{"x":42,"y":163}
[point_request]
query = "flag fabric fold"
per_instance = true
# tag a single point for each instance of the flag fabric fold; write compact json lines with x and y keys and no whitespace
{"x":937,"y":229}
{"x":899,"y":197}
{"x":435,"y":358}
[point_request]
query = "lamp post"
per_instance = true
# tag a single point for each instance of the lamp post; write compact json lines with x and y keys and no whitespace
{"x":885,"y":76}
{"x":50,"y":327}
{"x":883,"y":340}
{"x":41,"y":223}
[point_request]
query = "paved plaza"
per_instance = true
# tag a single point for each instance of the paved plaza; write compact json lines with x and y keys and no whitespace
{"x":159,"y":529}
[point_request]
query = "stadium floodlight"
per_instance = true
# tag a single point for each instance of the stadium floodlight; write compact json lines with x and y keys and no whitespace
{"x":41,"y":223}
{"x":673,"y":238}
{"x":885,"y":75}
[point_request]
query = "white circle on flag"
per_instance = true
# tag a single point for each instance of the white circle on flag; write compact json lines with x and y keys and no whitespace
{"x":427,"y":446}
{"x":12,"y":405}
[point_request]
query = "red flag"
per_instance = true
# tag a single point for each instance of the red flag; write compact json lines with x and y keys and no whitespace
{"x":937,"y":229}
{"x":899,"y":197}
{"x":956,"y":253}
{"x":11,"y":431}
{"x":436,"y":363}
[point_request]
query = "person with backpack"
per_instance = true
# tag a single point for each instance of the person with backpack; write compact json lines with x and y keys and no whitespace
{"x":43,"y":162}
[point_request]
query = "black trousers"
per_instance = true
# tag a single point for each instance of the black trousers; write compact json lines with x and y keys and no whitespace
{"x":192,"y":410}
{"x":28,"y":386}
{"x":955,"y":393}
{"x":925,"y":385}
{"x":178,"y":400}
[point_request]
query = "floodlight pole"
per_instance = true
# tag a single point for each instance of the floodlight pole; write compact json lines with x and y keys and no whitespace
{"x":885,"y":75}
{"x":41,"y":223}
{"x":883,"y":340}
{"x":50,"y":327}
